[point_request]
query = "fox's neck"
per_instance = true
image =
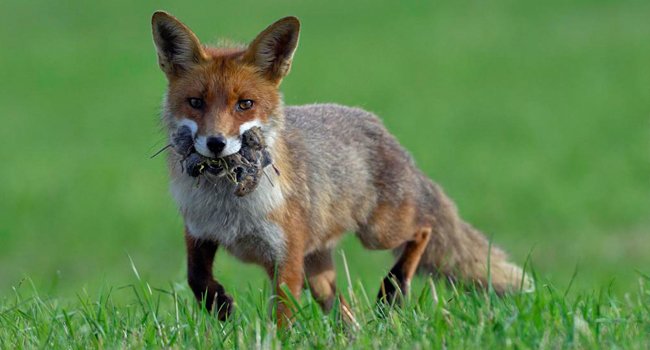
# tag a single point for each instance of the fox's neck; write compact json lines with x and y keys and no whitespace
{"x":273,"y":130}
{"x":276,"y":144}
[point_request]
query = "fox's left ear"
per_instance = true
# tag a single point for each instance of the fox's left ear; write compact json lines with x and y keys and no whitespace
{"x":272,"y":50}
{"x":177,"y":46}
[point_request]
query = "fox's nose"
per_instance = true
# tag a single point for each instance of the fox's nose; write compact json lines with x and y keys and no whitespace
{"x":216,"y":144}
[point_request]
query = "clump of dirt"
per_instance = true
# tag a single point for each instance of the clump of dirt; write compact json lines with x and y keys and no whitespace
{"x":244,"y":168}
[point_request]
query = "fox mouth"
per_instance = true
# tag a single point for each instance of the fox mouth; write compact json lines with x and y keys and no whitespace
{"x":229,"y":146}
{"x":185,"y":140}
{"x":244,"y":168}
{"x":184,"y":143}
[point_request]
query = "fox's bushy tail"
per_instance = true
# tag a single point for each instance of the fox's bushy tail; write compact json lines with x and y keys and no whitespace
{"x":460,"y":252}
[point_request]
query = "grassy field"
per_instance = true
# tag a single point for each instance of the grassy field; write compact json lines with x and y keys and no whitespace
{"x":534,"y":116}
{"x":433,"y":317}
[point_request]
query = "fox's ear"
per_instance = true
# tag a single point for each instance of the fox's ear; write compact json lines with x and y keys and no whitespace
{"x":272,"y":50}
{"x":178,"y":48}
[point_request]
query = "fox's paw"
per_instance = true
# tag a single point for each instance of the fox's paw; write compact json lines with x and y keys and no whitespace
{"x":223,"y":306}
{"x":392,"y":291}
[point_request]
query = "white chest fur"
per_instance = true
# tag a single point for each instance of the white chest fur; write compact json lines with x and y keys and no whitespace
{"x":240,"y":224}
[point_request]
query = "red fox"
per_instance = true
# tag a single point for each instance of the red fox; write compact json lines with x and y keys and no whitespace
{"x":292,"y":221}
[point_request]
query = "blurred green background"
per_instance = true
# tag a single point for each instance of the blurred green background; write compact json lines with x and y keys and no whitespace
{"x":534,"y":116}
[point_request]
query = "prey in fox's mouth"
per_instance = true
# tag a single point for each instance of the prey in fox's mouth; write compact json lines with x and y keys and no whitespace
{"x":244,"y":168}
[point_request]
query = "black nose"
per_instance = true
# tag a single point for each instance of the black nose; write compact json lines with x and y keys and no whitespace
{"x":216,"y":144}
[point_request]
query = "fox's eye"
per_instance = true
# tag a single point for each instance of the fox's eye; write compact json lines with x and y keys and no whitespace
{"x":196,"y":103}
{"x":243,"y":105}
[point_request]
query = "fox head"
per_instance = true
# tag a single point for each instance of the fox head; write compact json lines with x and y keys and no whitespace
{"x":219,"y":93}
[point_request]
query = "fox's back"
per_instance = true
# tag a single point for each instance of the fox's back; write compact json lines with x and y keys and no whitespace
{"x":349,"y":163}
{"x":344,"y":144}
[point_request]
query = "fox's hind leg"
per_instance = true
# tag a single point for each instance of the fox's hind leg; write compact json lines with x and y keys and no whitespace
{"x":321,"y":277}
{"x":398,"y":280}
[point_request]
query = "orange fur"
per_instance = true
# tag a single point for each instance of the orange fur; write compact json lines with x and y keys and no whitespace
{"x":223,"y":81}
{"x":378,"y":192}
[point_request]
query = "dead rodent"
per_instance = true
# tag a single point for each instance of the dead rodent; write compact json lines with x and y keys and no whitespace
{"x":244,"y":168}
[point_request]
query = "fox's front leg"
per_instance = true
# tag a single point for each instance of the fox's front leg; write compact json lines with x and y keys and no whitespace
{"x":288,"y":277}
{"x":200,"y":256}
{"x":288,"y":272}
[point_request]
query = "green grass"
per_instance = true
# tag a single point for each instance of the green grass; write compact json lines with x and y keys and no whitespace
{"x":534,"y":117}
{"x":435,"y":316}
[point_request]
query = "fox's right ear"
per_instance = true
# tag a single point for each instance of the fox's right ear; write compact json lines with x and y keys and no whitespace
{"x":272,"y":50}
{"x":178,"y":48}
